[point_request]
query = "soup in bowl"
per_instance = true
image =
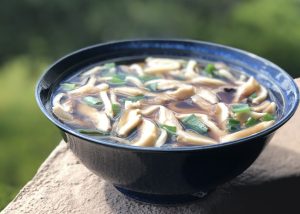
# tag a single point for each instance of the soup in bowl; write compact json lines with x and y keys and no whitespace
{"x":164,"y":102}
{"x":166,"y":121}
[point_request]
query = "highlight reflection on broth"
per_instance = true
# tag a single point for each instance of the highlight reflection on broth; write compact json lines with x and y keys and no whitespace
{"x":164,"y":102}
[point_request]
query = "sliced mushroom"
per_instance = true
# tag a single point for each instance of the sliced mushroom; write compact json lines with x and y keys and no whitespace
{"x":257,"y":115}
{"x":262,"y":94}
{"x":61,"y":114}
{"x":149,"y":110}
{"x":177,"y":74}
{"x":220,"y":65}
{"x":191,"y":138}
{"x":129,"y":91}
{"x":224,"y":71}
{"x":125,"y":68}
{"x":211,"y":125}
{"x":90,"y":88}
{"x":130,"y":119}
{"x":161,"y":65}
{"x":107,"y":104}
{"x":227,"y":74}
{"x":248,"y":131}
{"x":164,"y":84}
{"x":208,"y":95}
{"x":167,"y":117}
{"x":157,"y":99}
{"x":162,"y":138}
{"x":190,"y":70}
{"x":207,"y":81}
{"x":147,"y":134}
{"x":271,"y":108}
{"x":66,"y":106}
{"x":138,"y":69}
{"x":202,"y":103}
{"x":100,"y":79}
{"x":62,"y":110}
{"x":93,"y":71}
{"x":102,"y":87}
{"x":183,"y":92}
{"x":222,"y":114}
{"x":261,"y":106}
{"x":113,"y":97}
{"x":135,"y":81}
{"x":129,"y":104}
{"x":98,"y":118}
{"x":246,"y":89}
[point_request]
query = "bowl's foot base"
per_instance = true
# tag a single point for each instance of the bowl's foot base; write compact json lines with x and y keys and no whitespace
{"x":162,"y":199}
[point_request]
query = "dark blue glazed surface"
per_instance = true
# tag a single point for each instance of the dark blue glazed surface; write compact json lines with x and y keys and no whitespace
{"x":163,"y":172}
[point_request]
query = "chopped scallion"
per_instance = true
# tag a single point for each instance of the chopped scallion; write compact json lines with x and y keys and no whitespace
{"x":251,"y":122}
{"x":117,"y":79}
{"x":268,"y":117}
{"x":170,"y":129}
{"x":210,"y":70}
{"x":233,"y":125}
{"x":116,"y":108}
{"x":240,"y":108}
{"x":193,"y":122}
{"x":92,"y":101}
{"x":252,"y":96}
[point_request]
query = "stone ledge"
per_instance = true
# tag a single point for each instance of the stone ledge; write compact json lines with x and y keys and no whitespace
{"x":271,"y":185}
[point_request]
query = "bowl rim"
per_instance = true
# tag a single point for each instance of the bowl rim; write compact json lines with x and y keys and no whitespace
{"x":90,"y":139}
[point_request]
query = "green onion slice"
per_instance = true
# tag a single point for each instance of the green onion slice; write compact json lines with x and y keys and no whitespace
{"x":116,"y":108}
{"x":252,"y":96}
{"x":233,"y":125}
{"x":251,"y":122}
{"x":92,"y":101}
{"x":170,"y":129}
{"x":193,"y":122}
{"x":240,"y":108}
{"x":268,"y":117}
{"x":209,"y":70}
{"x":117,"y":79}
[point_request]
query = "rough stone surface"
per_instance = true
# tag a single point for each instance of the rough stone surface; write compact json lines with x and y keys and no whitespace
{"x":271,"y":185}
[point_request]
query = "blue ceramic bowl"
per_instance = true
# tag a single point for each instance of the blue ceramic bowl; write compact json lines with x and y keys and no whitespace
{"x":164,"y":175}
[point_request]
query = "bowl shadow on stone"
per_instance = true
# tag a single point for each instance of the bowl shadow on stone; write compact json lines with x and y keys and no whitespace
{"x":264,"y":188}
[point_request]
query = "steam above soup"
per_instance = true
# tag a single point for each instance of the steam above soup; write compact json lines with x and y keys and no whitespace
{"x":163,"y":102}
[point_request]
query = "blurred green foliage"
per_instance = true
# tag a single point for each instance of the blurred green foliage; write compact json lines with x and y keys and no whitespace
{"x":34,"y":33}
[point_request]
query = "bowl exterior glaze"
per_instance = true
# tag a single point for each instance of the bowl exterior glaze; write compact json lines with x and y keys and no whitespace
{"x":178,"y":171}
